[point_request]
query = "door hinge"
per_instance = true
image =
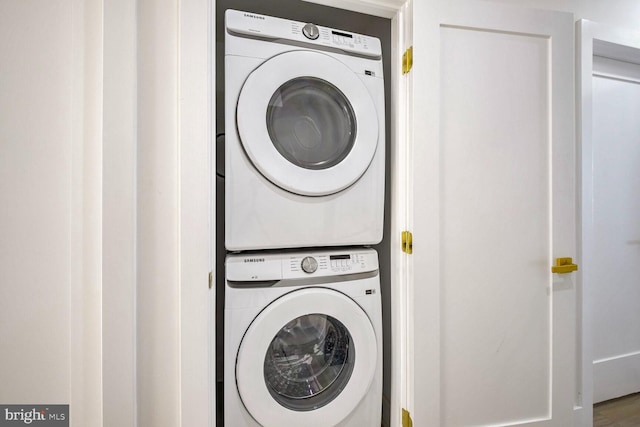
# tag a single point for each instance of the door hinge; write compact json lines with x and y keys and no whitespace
{"x":407,"y":242}
{"x":210,"y":279}
{"x":406,"y":419}
{"x":407,"y":60}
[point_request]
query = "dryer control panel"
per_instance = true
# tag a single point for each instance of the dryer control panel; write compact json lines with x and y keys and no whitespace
{"x":255,"y":25}
{"x":300,"y":265}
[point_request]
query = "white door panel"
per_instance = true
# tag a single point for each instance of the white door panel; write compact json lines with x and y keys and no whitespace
{"x":616,"y":229}
{"x":495,"y":217}
{"x":493,"y":206}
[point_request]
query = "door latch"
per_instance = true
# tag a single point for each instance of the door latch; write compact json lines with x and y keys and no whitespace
{"x":564,"y":265}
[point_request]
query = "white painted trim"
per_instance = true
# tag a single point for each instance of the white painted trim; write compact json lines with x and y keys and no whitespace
{"x":616,"y":376}
{"x":195,"y":217}
{"x":119,"y":215}
{"x":159,"y":272}
{"x":584,"y":61}
{"x":174,"y":210}
{"x":616,"y":69}
{"x":425,"y":318}
{"x":382,"y":8}
{"x":398,"y":153}
{"x":633,"y":354}
{"x":602,"y":40}
{"x":616,"y":77}
{"x":85,"y":328}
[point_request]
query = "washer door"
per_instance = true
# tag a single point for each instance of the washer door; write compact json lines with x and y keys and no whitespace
{"x":307,"y":359}
{"x":308,"y":123}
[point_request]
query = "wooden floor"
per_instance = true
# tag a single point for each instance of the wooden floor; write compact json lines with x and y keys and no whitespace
{"x":621,"y":412}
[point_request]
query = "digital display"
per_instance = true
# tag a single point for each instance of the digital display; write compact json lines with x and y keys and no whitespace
{"x":338,"y":33}
{"x":332,"y":257}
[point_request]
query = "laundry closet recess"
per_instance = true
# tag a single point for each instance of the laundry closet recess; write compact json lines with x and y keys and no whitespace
{"x":302,"y":201}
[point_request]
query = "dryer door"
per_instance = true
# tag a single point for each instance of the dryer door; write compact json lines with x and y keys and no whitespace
{"x":307,"y":122}
{"x":307,"y":359}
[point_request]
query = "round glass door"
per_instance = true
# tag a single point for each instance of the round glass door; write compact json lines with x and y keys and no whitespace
{"x":309,"y":362}
{"x":307,"y":359}
{"x":308,"y":123}
{"x":311,"y":123}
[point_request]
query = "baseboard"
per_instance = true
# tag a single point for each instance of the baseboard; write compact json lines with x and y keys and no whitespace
{"x":616,"y":376}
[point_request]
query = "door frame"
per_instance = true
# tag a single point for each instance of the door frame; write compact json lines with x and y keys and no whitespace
{"x":613,"y":42}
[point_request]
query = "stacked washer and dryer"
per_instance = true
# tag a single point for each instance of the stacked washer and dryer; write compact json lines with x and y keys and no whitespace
{"x":304,"y":198}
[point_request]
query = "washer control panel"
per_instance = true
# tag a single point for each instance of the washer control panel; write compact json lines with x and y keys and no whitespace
{"x":327,"y":264}
{"x":300,"y":265}
{"x":256,"y":25}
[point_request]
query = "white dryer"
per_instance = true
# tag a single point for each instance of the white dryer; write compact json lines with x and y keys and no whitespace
{"x":303,"y":339}
{"x":305,"y":135}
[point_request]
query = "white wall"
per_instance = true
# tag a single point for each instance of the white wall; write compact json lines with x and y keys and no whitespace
{"x":36,"y":130}
{"x":50,"y":177}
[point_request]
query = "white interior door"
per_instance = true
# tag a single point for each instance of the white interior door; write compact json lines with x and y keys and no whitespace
{"x":494,"y":204}
{"x":615,"y":204}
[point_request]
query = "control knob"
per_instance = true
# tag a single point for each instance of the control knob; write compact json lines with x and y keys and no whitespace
{"x":310,"y":31}
{"x":309,"y":264}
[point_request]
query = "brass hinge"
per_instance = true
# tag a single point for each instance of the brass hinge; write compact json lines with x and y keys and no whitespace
{"x":210,"y":279}
{"x":407,"y":242}
{"x":407,"y":60}
{"x":406,"y":419}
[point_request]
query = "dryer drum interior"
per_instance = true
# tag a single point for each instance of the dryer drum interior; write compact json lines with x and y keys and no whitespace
{"x":311,"y":123}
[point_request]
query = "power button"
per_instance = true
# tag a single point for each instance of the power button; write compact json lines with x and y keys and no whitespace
{"x":310,"y":31}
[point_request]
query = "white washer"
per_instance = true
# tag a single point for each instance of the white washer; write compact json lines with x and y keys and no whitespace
{"x":305,"y":135}
{"x":303,"y":339}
